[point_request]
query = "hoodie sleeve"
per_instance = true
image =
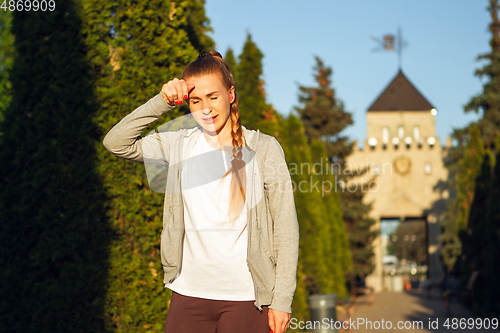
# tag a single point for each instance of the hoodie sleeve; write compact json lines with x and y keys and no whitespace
{"x":286,"y":228}
{"x":124,"y":139}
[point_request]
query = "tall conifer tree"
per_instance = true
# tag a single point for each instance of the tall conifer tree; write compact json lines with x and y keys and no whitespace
{"x":470,"y":168}
{"x":488,"y":101}
{"x":475,"y":237}
{"x":54,"y":235}
{"x":251,"y":91}
{"x":323,"y":113}
{"x":336,"y":239}
{"x":477,"y":225}
{"x":231,"y":62}
{"x":457,"y":215}
{"x":491,"y":305}
{"x":325,"y":118}
{"x":323,"y":252}
{"x":479,"y":239}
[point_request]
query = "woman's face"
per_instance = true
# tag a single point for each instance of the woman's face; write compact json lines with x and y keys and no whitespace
{"x":210,"y":102}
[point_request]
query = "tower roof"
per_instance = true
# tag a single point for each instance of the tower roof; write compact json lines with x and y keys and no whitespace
{"x":400,"y":95}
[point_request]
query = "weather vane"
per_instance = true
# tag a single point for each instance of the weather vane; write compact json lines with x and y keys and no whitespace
{"x":391,"y":42}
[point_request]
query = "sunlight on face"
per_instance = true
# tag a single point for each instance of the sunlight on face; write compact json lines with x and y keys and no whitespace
{"x":210,"y":102}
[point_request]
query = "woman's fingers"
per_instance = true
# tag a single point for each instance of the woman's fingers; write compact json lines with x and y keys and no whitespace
{"x":178,"y":90}
{"x":175,"y":91}
{"x":168,"y":93}
{"x":270,"y":319}
{"x":165,"y":94}
{"x":184,"y":90}
{"x":284,"y":325}
{"x":165,"y":98}
{"x":278,"y":321}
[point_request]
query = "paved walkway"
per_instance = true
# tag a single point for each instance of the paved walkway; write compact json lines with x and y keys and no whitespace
{"x":419,"y":314}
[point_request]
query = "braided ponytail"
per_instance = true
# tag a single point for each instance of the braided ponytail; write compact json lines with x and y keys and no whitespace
{"x":238,"y":181}
{"x":210,"y":63}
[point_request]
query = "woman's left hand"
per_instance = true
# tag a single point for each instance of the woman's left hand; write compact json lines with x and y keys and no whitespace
{"x":278,"y":321}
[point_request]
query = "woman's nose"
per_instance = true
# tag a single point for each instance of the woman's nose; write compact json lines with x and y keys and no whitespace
{"x":206,"y":111}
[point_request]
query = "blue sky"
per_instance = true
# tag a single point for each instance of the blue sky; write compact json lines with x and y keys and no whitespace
{"x":443,"y":39}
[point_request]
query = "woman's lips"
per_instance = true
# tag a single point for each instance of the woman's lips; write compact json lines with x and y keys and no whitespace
{"x":210,"y":120}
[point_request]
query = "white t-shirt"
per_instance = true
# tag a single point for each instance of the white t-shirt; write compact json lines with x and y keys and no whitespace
{"x":214,"y":260}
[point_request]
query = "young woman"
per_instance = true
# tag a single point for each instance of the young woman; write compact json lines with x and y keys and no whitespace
{"x":229,"y":244}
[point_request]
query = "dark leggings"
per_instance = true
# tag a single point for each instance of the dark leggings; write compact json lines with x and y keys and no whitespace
{"x":199,"y":315}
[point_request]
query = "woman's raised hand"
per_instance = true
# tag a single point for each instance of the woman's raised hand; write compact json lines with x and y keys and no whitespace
{"x":175,"y":91}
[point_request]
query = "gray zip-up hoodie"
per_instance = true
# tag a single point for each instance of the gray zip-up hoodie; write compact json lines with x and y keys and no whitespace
{"x":273,"y":234}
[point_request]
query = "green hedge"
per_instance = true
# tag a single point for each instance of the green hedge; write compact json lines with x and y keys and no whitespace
{"x":54,"y":238}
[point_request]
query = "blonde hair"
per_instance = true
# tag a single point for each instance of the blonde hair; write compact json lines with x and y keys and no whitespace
{"x":212,"y":63}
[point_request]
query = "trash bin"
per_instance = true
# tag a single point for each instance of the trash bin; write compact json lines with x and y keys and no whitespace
{"x":322,"y":310}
